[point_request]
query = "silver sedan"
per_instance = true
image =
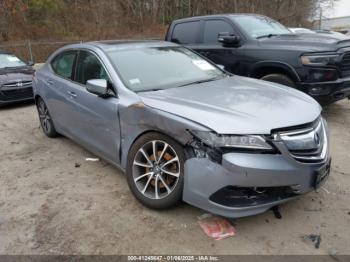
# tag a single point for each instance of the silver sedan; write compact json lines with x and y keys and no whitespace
{"x":182,"y":128}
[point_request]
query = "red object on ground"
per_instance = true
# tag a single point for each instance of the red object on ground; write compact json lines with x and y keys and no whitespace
{"x":216,"y":227}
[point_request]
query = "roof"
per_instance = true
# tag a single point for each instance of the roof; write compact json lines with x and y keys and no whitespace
{"x":230,"y":15}
{"x":122,"y":44}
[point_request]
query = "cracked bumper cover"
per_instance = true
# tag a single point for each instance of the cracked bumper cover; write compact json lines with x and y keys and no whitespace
{"x":203,"y":178}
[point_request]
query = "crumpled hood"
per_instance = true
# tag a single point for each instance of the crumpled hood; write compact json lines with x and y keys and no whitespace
{"x":305,"y":42}
{"x":237,"y":105}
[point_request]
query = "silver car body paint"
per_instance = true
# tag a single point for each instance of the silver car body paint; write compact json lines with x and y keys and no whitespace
{"x":236,"y":105}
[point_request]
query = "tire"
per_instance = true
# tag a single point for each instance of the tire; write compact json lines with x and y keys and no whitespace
{"x":279,"y":79}
{"x":45,"y":119}
{"x":154,"y":183}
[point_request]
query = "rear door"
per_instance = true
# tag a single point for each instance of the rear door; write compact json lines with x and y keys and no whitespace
{"x":56,"y":80}
{"x":93,"y":120}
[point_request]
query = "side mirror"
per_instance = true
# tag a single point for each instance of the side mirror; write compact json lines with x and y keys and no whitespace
{"x":97,"y":86}
{"x":30,"y":63}
{"x":229,"y":39}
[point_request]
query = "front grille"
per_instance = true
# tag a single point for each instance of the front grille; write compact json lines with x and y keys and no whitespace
{"x":16,"y":94}
{"x":18,"y":83}
{"x":308,"y":145}
{"x":345,"y":65}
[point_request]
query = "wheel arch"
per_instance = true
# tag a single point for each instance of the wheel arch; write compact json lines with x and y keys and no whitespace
{"x":138,"y":121}
{"x":36,"y":98}
{"x":125,"y":154}
{"x":261,"y":69}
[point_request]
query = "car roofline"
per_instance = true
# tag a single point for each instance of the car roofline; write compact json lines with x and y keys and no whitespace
{"x":121,"y":43}
{"x":227,"y":15}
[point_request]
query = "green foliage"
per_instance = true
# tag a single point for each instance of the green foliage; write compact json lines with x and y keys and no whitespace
{"x":42,"y":9}
{"x":44,"y":6}
{"x":96,"y":19}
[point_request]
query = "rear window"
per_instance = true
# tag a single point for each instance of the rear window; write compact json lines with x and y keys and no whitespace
{"x":185,"y":33}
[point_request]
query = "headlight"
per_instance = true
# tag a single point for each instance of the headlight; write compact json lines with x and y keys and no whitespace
{"x":236,"y":141}
{"x":319,"y":60}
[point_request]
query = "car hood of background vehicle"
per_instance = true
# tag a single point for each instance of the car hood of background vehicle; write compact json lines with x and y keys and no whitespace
{"x":306,"y":42}
{"x":236,"y":105}
{"x":13,"y":76}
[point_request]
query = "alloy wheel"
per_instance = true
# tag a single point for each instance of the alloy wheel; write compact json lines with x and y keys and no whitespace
{"x":44,"y":116}
{"x":156,"y":169}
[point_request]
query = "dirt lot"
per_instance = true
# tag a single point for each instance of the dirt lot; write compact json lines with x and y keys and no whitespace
{"x":54,"y":202}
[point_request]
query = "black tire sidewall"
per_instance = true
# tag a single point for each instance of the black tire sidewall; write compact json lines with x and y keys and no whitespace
{"x":52,"y":133}
{"x":174,"y":197}
{"x":279,"y":79}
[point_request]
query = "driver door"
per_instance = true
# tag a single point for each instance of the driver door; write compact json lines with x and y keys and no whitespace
{"x":93,"y":120}
{"x":229,"y":57}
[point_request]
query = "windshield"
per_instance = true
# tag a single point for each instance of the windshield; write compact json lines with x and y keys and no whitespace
{"x":258,"y":26}
{"x":154,"y":68}
{"x":9,"y":60}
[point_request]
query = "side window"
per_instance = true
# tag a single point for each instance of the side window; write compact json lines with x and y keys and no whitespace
{"x":89,"y":67}
{"x":63,"y":64}
{"x":212,"y":28}
{"x":185,"y":33}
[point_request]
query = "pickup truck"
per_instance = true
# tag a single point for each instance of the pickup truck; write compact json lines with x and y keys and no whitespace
{"x":256,"y":46}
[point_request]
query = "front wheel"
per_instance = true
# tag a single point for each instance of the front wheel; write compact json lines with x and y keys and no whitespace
{"x":155,"y":170}
{"x":279,"y":79}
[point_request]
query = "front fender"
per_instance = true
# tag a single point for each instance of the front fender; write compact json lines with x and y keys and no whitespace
{"x":275,"y":64}
{"x":138,"y":119}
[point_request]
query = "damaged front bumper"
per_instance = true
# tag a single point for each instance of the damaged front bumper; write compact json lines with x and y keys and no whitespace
{"x":245,"y":184}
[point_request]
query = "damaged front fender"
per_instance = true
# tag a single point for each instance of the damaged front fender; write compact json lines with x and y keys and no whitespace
{"x":137,"y":119}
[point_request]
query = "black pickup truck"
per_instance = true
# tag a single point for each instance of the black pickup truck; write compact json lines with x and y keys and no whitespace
{"x":259,"y":47}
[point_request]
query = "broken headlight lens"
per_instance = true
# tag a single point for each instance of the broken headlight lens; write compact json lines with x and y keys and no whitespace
{"x":235,"y":141}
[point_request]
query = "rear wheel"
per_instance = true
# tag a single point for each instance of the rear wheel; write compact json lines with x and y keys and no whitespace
{"x":45,"y":119}
{"x":155,"y":171}
{"x":279,"y":79}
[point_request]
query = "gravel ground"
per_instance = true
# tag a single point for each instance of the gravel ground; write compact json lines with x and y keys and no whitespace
{"x":54,"y":202}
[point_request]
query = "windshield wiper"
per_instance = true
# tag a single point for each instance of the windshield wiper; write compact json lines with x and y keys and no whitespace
{"x":268,"y":36}
{"x":202,"y":81}
{"x":149,"y":90}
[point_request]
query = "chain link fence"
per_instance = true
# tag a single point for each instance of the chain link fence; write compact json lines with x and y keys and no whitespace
{"x":35,"y":51}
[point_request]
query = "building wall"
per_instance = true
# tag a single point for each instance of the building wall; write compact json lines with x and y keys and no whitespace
{"x":334,"y":23}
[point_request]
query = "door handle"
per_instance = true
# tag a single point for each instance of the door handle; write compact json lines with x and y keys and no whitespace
{"x":72,"y":94}
{"x":49,"y":82}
